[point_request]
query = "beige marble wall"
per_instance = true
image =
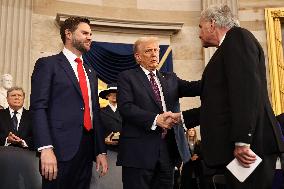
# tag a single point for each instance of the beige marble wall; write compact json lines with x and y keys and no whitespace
{"x":187,"y":50}
{"x":251,"y":16}
{"x":15,"y":37}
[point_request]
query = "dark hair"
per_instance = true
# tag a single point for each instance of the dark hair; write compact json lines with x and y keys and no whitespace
{"x":71,"y":24}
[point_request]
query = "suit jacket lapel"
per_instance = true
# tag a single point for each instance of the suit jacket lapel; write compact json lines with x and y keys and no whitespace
{"x":22,"y":122}
{"x":8,"y":120}
{"x":211,"y":61}
{"x":165,"y":88}
{"x":91,"y":77}
{"x":65,"y":64}
{"x":146,"y":83}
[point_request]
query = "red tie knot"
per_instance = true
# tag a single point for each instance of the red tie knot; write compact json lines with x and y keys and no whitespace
{"x":78,"y":60}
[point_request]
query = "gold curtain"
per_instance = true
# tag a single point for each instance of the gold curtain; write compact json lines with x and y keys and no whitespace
{"x":273,"y":18}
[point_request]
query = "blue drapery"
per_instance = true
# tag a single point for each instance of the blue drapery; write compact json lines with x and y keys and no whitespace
{"x":109,"y":59}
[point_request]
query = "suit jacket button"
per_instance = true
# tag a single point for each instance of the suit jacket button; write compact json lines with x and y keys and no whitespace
{"x":82,"y":109}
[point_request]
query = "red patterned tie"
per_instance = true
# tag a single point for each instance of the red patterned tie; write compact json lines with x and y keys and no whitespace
{"x":84,"y":90}
{"x":156,"y":91}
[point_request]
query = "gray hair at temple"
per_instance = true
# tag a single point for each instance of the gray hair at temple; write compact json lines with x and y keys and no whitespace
{"x":143,"y":40}
{"x":222,"y":15}
{"x":15,"y":89}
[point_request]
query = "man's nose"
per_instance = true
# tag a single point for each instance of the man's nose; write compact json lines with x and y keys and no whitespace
{"x":89,"y":37}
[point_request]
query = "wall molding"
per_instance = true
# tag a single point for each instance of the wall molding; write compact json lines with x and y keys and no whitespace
{"x":128,"y":26}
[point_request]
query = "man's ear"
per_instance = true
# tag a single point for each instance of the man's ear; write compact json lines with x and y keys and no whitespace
{"x":68,"y":34}
{"x":137,"y":57}
{"x":212,"y":26}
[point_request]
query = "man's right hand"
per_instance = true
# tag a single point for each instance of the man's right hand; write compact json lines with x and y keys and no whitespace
{"x":48,"y":164}
{"x":13,"y":139}
{"x":165,"y":120}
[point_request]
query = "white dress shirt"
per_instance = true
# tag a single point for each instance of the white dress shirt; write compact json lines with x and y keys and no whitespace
{"x":154,"y":126}
{"x":112,"y":107}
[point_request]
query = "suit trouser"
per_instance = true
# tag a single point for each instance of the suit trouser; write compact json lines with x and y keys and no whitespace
{"x":77,"y":172}
{"x":162,"y":177}
{"x":261,"y":178}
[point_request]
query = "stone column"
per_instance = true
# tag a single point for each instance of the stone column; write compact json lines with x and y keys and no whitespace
{"x":15,"y":40}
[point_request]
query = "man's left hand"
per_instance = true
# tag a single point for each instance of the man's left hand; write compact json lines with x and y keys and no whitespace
{"x":101,"y":163}
{"x":244,"y":155}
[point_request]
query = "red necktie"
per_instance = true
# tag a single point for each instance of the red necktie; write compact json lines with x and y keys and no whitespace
{"x":84,"y":90}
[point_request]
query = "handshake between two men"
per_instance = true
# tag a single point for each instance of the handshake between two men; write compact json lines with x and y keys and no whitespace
{"x":167,"y":120}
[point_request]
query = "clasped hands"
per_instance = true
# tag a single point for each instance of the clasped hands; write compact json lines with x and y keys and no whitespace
{"x":167,"y":120}
{"x":14,"y":139}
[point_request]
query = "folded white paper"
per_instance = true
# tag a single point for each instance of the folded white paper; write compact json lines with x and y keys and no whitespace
{"x":240,"y":172}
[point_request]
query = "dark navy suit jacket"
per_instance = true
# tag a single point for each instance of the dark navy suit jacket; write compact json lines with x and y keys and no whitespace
{"x":24,"y":130}
{"x":139,"y":145}
{"x":58,"y":107}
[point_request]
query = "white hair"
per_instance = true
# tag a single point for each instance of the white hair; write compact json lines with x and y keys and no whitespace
{"x":222,"y":16}
{"x":143,"y":40}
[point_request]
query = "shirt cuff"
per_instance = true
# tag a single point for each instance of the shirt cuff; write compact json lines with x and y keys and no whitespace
{"x":154,"y":125}
{"x":182,"y":122}
{"x":242,"y":144}
{"x":6,"y":142}
{"x":24,"y":144}
{"x":44,"y":147}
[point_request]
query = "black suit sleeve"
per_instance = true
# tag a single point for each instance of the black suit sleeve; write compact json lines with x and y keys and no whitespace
{"x":191,"y":117}
{"x":242,"y":56}
{"x":41,"y":81}
{"x":189,"y":89}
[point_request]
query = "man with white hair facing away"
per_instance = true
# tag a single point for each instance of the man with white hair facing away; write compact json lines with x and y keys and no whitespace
{"x":236,"y":118}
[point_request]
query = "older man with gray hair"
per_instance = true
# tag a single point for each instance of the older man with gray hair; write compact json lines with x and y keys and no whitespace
{"x":236,"y":118}
{"x":15,"y":121}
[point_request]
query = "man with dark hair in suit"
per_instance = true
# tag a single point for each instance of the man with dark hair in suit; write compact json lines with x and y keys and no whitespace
{"x":15,"y":121}
{"x":236,"y":118}
{"x":64,"y":103}
{"x":148,"y":147}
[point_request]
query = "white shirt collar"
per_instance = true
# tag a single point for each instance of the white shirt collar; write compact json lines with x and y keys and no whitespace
{"x":20,"y":111}
{"x":221,"y":41}
{"x":69,"y":55}
{"x":147,"y":71}
{"x":112,"y":107}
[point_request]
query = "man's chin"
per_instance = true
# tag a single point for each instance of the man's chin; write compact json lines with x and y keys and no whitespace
{"x":84,"y":50}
